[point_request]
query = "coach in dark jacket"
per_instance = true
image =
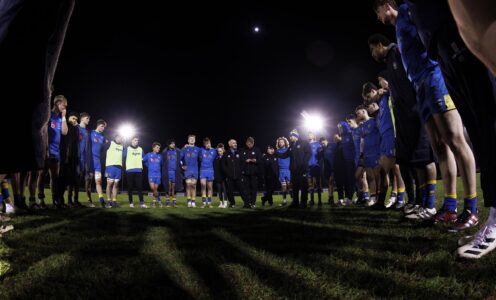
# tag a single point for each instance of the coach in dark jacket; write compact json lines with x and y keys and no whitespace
{"x":231,"y":165}
{"x":271,"y":175}
{"x":251,"y":162}
{"x":299,"y":153}
{"x":70,"y":162}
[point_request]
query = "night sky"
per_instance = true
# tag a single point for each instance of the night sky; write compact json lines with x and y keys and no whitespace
{"x":200,"y":68}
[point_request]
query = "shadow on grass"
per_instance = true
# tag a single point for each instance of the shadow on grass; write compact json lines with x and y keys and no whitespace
{"x":311,"y":254}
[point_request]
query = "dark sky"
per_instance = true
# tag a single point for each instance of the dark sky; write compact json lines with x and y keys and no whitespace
{"x":199,"y":68}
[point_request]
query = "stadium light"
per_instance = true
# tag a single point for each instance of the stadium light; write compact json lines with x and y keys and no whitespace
{"x":127,"y":131}
{"x":312,"y":122}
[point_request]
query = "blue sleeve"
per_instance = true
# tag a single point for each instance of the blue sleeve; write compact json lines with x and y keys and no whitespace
{"x":145,"y":160}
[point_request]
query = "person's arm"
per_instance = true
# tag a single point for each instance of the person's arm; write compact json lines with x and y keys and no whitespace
{"x":145,"y":160}
{"x":284,"y":154}
{"x":476,"y":21}
{"x":64,"y":129}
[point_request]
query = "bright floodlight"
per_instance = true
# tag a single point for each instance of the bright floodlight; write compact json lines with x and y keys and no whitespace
{"x":312,"y":122}
{"x":127,"y":131}
{"x":256,"y":29}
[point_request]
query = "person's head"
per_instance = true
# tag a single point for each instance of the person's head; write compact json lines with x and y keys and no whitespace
{"x":369,"y":92}
{"x":361,"y":113}
{"x":337,"y":138}
{"x":270,"y":150}
{"x":351,"y":120}
{"x":323,"y":141}
{"x":101,"y":125}
{"x":171,"y":144}
{"x":232,"y":144}
{"x":294,"y":135}
{"x":282,"y":142}
{"x":156,"y":147}
{"x":372,"y":108}
{"x":118,"y":139}
{"x":220,"y":149}
{"x":73,"y":119}
{"x":135,"y":141}
{"x":378,"y":45}
{"x":207,"y":143}
{"x":84,"y":119}
{"x":311,"y":136}
{"x":386,"y":11}
{"x":382,"y":79}
{"x":59,"y":103}
{"x":191,"y":139}
{"x":250,"y":142}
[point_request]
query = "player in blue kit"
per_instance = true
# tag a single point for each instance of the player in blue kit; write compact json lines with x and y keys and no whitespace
{"x":379,"y":101}
{"x":326,"y":153}
{"x":171,"y":172}
{"x":348,"y":166}
{"x":437,"y":110}
{"x":154,"y":161}
{"x":207,"y":157}
{"x":189,"y":159}
{"x":282,"y":145}
{"x":371,"y":152}
{"x":314,"y":171}
{"x":93,"y":157}
{"x":84,"y":138}
{"x":360,"y":176}
{"x":57,"y":127}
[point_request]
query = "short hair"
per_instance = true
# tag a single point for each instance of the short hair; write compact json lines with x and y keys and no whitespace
{"x":377,"y":39}
{"x":220,"y":145}
{"x":73,"y":114}
{"x":359,"y":107}
{"x":379,"y":3}
{"x":84,"y":115}
{"x":156,"y":144}
{"x":367,"y":88}
{"x":350,"y":117}
{"x":101,"y":122}
{"x":59,"y":98}
{"x":250,"y":139}
{"x":171,"y":141}
{"x":322,"y":138}
{"x":135,"y":137}
{"x":205,"y":140}
{"x":191,"y":135}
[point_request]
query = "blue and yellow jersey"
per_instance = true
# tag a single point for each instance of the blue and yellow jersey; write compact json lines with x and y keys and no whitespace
{"x":413,"y":53}
{"x":283,"y":162}
{"x":54,"y":135}
{"x":207,"y":157}
{"x":153,"y":161}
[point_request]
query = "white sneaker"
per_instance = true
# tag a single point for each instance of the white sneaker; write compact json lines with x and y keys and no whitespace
{"x":9,"y":208}
{"x":225,"y":204}
{"x":347,"y":201}
{"x":143,"y":205}
{"x":371,"y":201}
{"x":341,"y":201}
{"x":131,"y":205}
{"x":5,"y":229}
{"x":415,"y":213}
{"x":427,"y":213}
{"x":410,"y":208}
{"x":221,"y":204}
{"x":390,"y":202}
{"x":484,"y":241}
{"x":91,"y":205}
{"x":189,"y":204}
{"x":193,"y":204}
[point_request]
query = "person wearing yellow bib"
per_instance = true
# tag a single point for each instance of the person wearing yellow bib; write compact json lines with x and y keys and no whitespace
{"x":113,"y":172}
{"x":133,"y":158}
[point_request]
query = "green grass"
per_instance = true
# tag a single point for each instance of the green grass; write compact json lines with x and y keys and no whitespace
{"x":271,"y":253}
